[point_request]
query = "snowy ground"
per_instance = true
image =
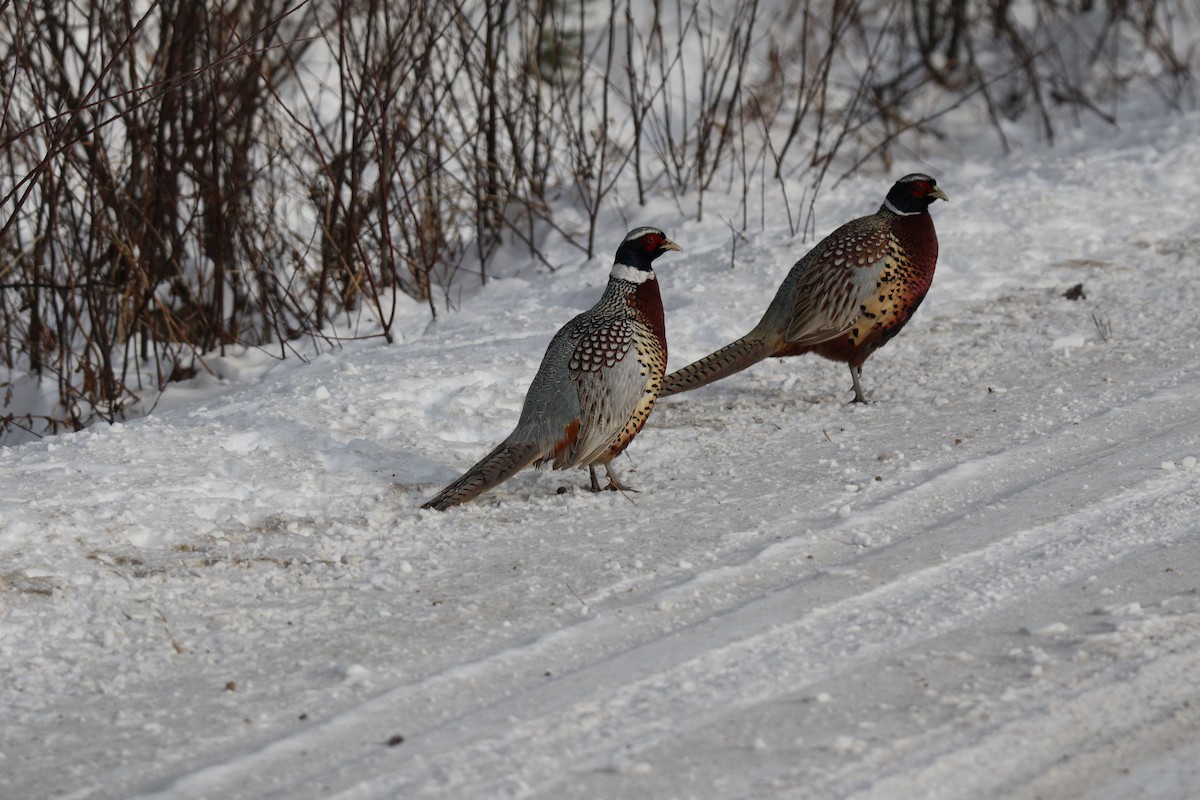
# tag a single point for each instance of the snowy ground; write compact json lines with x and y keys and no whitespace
{"x":986,"y":584}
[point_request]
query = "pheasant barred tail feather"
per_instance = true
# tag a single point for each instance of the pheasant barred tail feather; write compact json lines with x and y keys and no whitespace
{"x":731,"y":358}
{"x":506,"y":460}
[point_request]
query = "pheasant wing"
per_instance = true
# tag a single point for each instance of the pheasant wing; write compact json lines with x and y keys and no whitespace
{"x":550,"y":417}
{"x":831,"y":285}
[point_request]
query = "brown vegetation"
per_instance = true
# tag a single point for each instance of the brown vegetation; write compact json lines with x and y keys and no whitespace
{"x":179,"y":176}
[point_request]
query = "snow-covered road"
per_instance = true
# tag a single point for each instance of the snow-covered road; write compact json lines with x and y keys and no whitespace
{"x":985,"y":584}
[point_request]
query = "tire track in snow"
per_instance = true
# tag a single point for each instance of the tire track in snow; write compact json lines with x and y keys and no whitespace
{"x":1025,"y":750}
{"x":717,"y":665}
{"x":752,"y":650}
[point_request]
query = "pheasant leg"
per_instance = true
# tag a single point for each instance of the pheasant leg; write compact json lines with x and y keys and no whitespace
{"x":855,"y":374}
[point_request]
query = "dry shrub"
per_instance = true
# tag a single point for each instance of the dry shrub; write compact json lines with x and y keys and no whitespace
{"x":179,"y":176}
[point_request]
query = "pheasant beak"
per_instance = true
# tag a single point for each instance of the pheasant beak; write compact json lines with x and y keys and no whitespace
{"x":938,"y":193}
{"x":669,"y":245}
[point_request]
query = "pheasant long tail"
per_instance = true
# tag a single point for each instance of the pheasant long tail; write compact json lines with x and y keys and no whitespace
{"x":506,"y":460}
{"x":731,"y":358}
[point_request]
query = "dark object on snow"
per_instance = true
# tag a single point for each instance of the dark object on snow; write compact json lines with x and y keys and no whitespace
{"x":1075,"y":293}
{"x":597,"y":383}
{"x":844,"y":300}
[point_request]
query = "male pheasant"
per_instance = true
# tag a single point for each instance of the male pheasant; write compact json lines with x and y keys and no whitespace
{"x":844,"y":300}
{"x":597,"y":383}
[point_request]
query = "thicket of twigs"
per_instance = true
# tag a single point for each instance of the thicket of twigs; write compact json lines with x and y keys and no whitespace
{"x":180,"y":176}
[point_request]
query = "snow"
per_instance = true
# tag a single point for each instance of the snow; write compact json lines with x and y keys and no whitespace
{"x":984,"y":584}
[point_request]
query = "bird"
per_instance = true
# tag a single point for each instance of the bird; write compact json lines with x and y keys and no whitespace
{"x":596,"y":385}
{"x":847,"y":297}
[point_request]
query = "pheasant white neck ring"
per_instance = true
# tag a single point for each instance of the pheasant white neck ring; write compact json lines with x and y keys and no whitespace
{"x":888,"y":205}
{"x":624,"y":272}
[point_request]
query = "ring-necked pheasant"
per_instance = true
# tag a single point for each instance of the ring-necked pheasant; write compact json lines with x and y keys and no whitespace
{"x":597,"y":383}
{"x":844,"y":300}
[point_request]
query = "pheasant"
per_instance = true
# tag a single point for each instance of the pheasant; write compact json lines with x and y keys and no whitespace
{"x":852,"y":293}
{"x":597,"y":383}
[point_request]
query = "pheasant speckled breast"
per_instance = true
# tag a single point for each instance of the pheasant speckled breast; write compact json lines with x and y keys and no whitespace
{"x":596,"y":385}
{"x":847,"y":297}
